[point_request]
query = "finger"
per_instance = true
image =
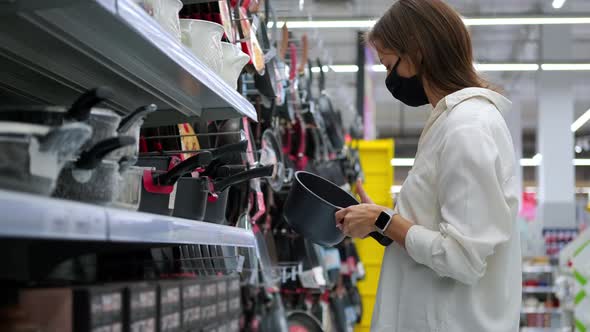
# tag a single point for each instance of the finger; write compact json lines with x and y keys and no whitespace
{"x":340,"y":214}
{"x":361,"y":191}
{"x":346,"y":227}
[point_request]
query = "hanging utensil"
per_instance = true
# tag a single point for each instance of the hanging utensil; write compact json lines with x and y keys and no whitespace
{"x":250,"y":44}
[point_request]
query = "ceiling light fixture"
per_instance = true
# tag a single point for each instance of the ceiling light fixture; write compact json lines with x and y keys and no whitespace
{"x":525,"y":162}
{"x":483,"y":67}
{"x":580,"y":121}
{"x":344,"y":68}
{"x":475,"y":21}
{"x":540,"y":20}
{"x":557,"y":4}
{"x":325,"y":69}
{"x":565,"y":66}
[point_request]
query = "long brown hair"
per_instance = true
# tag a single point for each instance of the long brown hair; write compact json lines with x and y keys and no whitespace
{"x":432,"y":35}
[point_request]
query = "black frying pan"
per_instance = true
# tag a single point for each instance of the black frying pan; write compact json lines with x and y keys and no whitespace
{"x":311,"y":207}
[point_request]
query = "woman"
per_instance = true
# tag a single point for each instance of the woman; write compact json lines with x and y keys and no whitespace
{"x":455,"y":262}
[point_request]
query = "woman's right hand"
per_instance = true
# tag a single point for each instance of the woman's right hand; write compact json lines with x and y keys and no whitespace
{"x":362,"y":194}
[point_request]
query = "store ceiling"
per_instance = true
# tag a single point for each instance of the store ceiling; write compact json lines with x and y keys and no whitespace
{"x":496,"y":44}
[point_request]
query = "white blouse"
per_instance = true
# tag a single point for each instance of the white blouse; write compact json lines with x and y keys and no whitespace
{"x":461,"y":271}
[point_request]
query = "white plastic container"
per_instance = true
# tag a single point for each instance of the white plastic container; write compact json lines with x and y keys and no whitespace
{"x":234,"y":61}
{"x":203,"y":38}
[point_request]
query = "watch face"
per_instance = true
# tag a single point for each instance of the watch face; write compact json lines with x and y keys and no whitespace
{"x":382,"y":220}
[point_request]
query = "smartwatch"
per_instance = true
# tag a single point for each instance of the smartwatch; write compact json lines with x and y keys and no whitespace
{"x":384,"y":219}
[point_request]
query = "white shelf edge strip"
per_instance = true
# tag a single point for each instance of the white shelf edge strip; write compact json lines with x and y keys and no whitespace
{"x":129,"y":226}
{"x":38,"y":217}
{"x":31,"y":216}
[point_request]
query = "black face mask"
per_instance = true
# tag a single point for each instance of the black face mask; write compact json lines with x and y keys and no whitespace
{"x":407,"y":90}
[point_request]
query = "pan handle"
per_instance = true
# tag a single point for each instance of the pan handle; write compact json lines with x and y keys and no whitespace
{"x":217,"y":153}
{"x":135,"y":116}
{"x":80,"y":109}
{"x":90,"y":159}
{"x":322,"y":77}
{"x":222,"y":184}
{"x":202,"y":158}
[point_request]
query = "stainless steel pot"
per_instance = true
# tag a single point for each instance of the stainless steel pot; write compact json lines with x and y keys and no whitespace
{"x":129,"y":190}
{"x":91,"y":178}
{"x":130,"y":125}
{"x":32,"y":156}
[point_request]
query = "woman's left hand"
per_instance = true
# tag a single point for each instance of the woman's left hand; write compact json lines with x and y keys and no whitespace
{"x":358,"y":220}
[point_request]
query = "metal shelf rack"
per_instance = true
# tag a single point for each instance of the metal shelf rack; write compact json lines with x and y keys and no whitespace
{"x":53,"y":50}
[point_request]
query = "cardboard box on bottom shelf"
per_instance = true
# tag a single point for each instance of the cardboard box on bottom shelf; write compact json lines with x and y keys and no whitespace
{"x":169,"y":306}
{"x":140,"y":307}
{"x":191,"y":304}
{"x":80,"y":309}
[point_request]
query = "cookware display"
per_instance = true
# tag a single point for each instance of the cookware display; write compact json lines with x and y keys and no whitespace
{"x":279,"y":177}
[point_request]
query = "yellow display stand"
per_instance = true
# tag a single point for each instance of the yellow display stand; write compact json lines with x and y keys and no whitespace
{"x":376,"y":163}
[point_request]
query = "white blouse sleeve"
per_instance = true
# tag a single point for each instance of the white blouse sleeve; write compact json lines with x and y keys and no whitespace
{"x":475,"y":214}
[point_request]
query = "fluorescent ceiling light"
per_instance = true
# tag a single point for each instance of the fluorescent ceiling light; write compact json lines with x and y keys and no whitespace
{"x":396,"y":189}
{"x":345,"y":68}
{"x":557,"y":4}
{"x":525,"y":162}
{"x":565,"y":66}
{"x":580,"y":121}
{"x":408,"y":162}
{"x":325,"y":69}
{"x":547,"y":20}
{"x":379,"y":69}
{"x":349,"y":24}
{"x":482,"y":67}
{"x":481,"y":21}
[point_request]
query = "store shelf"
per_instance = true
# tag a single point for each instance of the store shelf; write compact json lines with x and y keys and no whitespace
{"x":53,"y":51}
{"x":126,"y":226}
{"x":35,"y":217}
{"x":30,"y":216}
{"x":541,"y":311}
{"x":538,"y":289}
{"x":538,"y":269}
{"x":545,"y":329}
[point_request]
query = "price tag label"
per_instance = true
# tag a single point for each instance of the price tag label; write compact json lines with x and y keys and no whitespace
{"x":240,"y":265}
{"x":172,"y":199}
{"x":308,"y":280}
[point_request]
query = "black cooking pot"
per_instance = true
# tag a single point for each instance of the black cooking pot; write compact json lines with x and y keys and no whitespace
{"x":311,"y":206}
{"x":158,"y":184}
{"x":191,"y":198}
{"x":303,"y":321}
{"x":216,"y":208}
